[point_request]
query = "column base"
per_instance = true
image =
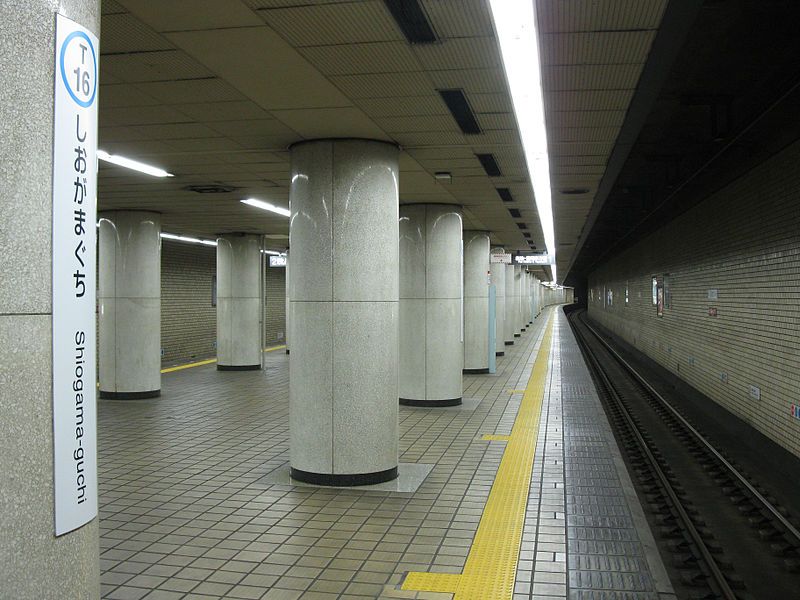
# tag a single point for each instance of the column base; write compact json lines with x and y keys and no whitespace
{"x":238,"y":367}
{"x":129,"y":395}
{"x":517,"y":334}
{"x":509,"y":343}
{"x":287,"y":351}
{"x":340,"y":480}
{"x":475,"y":371}
{"x":430,"y":403}
{"x":524,"y":329}
{"x":499,"y":353}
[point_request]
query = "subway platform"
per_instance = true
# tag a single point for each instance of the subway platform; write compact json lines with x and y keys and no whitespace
{"x":520,"y":493}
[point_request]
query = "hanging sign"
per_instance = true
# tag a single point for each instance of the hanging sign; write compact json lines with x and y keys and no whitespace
{"x":74,"y":251}
{"x":534,"y":259}
{"x":500,"y":257}
{"x":277,"y":261}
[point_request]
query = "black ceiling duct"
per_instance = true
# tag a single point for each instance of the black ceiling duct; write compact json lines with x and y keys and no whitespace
{"x":515,"y":213}
{"x":412,"y":20}
{"x":489,"y":164}
{"x":505,"y":194}
{"x":457,"y":103}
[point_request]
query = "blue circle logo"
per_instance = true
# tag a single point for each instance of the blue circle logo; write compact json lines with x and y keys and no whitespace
{"x":83,"y":77}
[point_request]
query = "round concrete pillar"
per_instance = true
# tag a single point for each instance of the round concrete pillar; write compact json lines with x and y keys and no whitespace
{"x":510,"y":325}
{"x":498,"y":279}
{"x":286,"y":313}
{"x":240,"y":302}
{"x":518,"y":295}
{"x":129,"y":303}
{"x":476,"y":302}
{"x":343,"y":199}
{"x":431,"y":326}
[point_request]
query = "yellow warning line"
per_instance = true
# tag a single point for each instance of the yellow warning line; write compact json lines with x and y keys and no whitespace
{"x":199,"y":363}
{"x":492,"y":561}
{"x":495,"y":437}
{"x":209,"y":361}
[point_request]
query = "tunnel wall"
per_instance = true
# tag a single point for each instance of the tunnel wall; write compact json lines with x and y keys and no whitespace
{"x":729,"y":271}
{"x":188,"y":317}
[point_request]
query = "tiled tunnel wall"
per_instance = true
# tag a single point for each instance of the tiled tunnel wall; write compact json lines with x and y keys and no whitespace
{"x":188,"y":318}
{"x":729,"y":273}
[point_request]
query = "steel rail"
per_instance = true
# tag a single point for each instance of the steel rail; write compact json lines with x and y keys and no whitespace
{"x":719,"y":577}
{"x":742,"y":479}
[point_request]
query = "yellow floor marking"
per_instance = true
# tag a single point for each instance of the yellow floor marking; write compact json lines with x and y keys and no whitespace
{"x":189,"y":365}
{"x":489,"y":437}
{"x":208,"y":362}
{"x":492,"y":561}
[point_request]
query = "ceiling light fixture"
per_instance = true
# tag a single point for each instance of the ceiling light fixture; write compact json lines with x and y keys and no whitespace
{"x":515,"y":23}
{"x":274,"y":253}
{"x":188,"y":240}
{"x":443,"y":176}
{"x":266,"y":206}
{"x":135,"y":165}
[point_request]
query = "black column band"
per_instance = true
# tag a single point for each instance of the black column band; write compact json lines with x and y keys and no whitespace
{"x":345,"y":479}
{"x":129,"y":395}
{"x":430,"y":403}
{"x":238,"y":367}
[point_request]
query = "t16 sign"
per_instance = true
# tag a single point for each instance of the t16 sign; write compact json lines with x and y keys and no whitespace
{"x":74,"y":251}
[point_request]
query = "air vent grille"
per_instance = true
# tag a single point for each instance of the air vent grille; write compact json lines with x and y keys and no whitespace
{"x":412,"y":21}
{"x":489,"y":164}
{"x":459,"y":107}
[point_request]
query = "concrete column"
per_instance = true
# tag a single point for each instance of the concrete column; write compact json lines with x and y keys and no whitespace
{"x":529,"y":306}
{"x":129,"y":303}
{"x":526,"y":301}
{"x":498,"y":278}
{"x":33,"y":562}
{"x":510,"y":326}
{"x":519,"y":326}
{"x":431,"y":334}
{"x":476,"y":302}
{"x":240,"y":302}
{"x":343,"y":236}
{"x":286,"y":311}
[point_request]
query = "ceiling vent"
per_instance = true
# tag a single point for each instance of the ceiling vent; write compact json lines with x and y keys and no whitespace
{"x":526,"y":234}
{"x":574,"y":191}
{"x":457,"y":103}
{"x":505,"y":194}
{"x":522,"y":225}
{"x":412,"y":21}
{"x":514,"y":212}
{"x":489,"y":164}
{"x":210,"y":188}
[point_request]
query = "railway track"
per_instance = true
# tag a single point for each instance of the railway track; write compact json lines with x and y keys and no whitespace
{"x":721,"y":534}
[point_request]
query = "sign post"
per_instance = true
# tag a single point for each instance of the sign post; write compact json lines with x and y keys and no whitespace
{"x":74,"y":252}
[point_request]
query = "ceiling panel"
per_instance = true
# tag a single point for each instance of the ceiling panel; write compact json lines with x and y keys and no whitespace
{"x":215,"y":92}
{"x":333,"y":24}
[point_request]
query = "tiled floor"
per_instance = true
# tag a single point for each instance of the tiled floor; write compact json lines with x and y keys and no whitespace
{"x":186,"y":511}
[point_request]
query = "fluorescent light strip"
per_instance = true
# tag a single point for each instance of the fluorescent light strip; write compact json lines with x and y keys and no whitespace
{"x":274,"y":252}
{"x":188,"y":240}
{"x":266,"y":206}
{"x":515,"y":22}
{"x":132,"y":164}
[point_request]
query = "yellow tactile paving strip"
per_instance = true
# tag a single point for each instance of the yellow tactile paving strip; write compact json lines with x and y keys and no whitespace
{"x":209,"y":361}
{"x":492,"y":561}
{"x":492,"y":437}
